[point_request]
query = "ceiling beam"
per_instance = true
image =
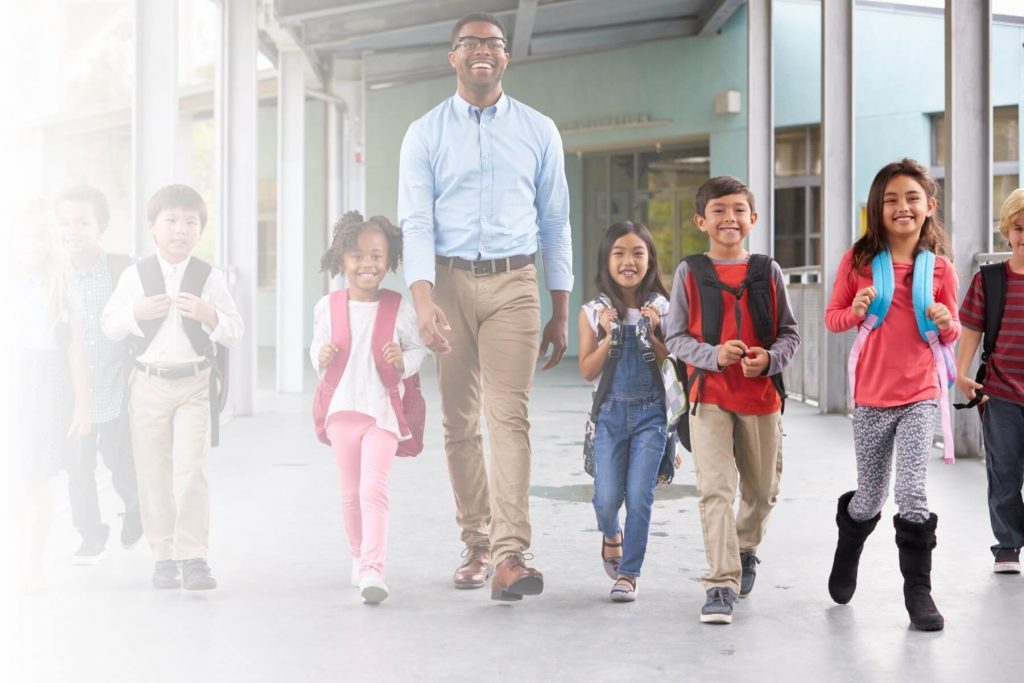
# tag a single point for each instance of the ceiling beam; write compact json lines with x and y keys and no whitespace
{"x":295,"y":18}
{"x":525,"y":18}
{"x":715,"y":15}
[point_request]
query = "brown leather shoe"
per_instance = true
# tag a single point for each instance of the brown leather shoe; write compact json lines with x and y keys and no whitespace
{"x":475,"y":569}
{"x":513,"y":579}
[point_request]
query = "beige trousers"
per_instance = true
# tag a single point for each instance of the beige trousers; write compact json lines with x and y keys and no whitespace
{"x":171,"y":435}
{"x":495,"y":337}
{"x":731,"y":450}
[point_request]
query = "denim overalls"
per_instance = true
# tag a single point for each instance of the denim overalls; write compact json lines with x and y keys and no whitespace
{"x":628,"y":448}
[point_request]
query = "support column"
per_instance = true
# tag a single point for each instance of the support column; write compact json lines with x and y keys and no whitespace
{"x":837,"y":203}
{"x":291,"y":102}
{"x":761,"y":123}
{"x":155,"y":110}
{"x":968,"y":208}
{"x":236,"y":112}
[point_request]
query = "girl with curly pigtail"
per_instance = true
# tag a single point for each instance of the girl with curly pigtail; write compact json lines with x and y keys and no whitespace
{"x":359,"y":419}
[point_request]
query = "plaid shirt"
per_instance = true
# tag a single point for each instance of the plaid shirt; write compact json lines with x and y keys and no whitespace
{"x":106,"y":358}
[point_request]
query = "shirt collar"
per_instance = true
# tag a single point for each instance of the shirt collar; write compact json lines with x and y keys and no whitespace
{"x":496,"y":110}
{"x":95,"y":270}
{"x":166,"y":267}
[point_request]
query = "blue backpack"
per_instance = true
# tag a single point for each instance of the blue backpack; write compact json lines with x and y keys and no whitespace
{"x":885,"y":283}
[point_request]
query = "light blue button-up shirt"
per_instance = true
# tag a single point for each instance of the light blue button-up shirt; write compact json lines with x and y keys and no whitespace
{"x":484,"y":185}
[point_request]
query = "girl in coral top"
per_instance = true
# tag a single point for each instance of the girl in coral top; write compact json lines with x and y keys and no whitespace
{"x":896,"y":388}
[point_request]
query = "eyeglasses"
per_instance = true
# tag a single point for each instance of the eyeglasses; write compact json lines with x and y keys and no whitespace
{"x":472,"y":43}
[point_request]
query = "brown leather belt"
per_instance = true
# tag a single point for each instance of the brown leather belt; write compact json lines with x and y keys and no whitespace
{"x":487,"y":267}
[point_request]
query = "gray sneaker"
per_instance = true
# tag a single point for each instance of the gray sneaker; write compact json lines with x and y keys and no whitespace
{"x":196,"y":576}
{"x":718,"y":608}
{"x":749,"y":563}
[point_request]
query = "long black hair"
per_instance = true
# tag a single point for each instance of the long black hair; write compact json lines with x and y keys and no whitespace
{"x":651,"y":281}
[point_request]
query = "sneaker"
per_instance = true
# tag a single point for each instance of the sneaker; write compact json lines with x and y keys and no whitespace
{"x":92,"y":549}
{"x":372,"y":588}
{"x":1007,"y":561}
{"x":749,"y":563}
{"x":131,"y":526}
{"x":718,"y":608}
{"x":355,"y":572}
{"x":166,"y":574}
{"x":196,"y":576}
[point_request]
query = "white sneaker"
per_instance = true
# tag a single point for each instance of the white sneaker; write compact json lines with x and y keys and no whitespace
{"x":355,"y":572}
{"x":372,"y":588}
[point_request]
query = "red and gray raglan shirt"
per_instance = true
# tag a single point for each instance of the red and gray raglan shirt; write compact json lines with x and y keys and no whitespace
{"x":1004,"y":378}
{"x":727,"y":387}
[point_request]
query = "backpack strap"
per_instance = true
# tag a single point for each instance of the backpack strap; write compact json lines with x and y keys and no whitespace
{"x":383,"y":334}
{"x":116,"y":264}
{"x":192,"y":282}
{"x":884,"y":282}
{"x":993,"y":288}
{"x":340,"y":336}
{"x":762,"y":312}
{"x":921,"y":291}
{"x":152,"y":278}
{"x":710,"y":297}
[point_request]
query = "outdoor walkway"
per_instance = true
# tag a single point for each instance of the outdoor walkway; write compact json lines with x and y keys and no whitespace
{"x":285,"y":612}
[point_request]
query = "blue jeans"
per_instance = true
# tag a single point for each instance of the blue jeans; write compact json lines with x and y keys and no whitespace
{"x":1003,"y":429}
{"x":628,"y":448}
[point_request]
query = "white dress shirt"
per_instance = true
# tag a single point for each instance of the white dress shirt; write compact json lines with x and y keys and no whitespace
{"x":171,"y":346}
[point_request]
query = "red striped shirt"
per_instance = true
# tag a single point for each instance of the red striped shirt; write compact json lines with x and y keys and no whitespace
{"x":1005,"y":376}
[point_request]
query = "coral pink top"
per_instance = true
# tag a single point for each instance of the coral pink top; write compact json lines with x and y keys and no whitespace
{"x":896,"y":366}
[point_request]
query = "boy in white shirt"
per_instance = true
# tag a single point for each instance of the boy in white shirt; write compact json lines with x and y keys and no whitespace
{"x":178,"y":311}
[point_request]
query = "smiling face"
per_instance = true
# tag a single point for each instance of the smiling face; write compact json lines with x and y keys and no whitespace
{"x":176,"y":232}
{"x":628,"y":261}
{"x":479,"y":69}
{"x":727,"y":220}
{"x":365,"y":264}
{"x":905,"y":207}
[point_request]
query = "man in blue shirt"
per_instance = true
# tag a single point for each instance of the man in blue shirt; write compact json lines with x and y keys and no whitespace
{"x":481,"y":188}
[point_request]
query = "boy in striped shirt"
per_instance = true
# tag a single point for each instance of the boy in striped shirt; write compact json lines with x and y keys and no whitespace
{"x":1003,"y":416}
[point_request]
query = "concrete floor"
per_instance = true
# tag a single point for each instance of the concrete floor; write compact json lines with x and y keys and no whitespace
{"x":285,"y":611}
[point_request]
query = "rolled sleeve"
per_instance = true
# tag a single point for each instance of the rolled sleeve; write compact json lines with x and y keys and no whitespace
{"x":552,"y":203}
{"x":229,"y":321}
{"x":416,"y":207}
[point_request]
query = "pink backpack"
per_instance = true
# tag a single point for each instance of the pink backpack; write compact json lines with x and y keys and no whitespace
{"x":410,"y":408}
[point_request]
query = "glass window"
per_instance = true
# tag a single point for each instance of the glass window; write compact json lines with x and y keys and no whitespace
{"x":790,"y":210}
{"x":1005,"y":134}
{"x":791,"y":153}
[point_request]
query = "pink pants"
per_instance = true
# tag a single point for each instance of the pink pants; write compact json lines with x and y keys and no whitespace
{"x":364,"y":453}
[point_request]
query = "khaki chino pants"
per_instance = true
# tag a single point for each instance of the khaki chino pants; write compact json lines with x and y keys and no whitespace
{"x":730,"y":452}
{"x":495,"y":337}
{"x":171,"y":434}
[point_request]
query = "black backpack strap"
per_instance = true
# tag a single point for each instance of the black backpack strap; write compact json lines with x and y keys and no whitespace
{"x":709,"y":288}
{"x":762,"y":312}
{"x":116,"y":264}
{"x":192,"y":282}
{"x":152,"y":278}
{"x":993,"y":287}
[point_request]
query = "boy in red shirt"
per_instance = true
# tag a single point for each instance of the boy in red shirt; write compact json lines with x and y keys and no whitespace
{"x":1003,"y":419}
{"x":736,"y":431}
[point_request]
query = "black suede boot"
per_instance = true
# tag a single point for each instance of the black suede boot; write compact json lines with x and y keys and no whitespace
{"x":915,"y":541}
{"x":842,"y":582}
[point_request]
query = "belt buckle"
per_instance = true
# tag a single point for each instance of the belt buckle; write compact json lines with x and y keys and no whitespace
{"x":486,"y":268}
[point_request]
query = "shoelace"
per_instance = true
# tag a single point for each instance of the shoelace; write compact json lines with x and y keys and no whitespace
{"x":750,"y":561}
{"x":719,"y":595}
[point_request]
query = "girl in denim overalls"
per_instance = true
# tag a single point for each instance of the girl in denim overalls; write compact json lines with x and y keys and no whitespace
{"x":624,"y":323}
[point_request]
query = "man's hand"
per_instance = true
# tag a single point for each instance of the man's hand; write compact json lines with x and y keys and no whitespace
{"x":556,"y":334}
{"x":81,"y":422}
{"x":755,"y":362}
{"x":393,"y":354}
{"x":196,"y":308}
{"x":731,"y":352}
{"x":152,"y":307}
{"x":430,"y":320}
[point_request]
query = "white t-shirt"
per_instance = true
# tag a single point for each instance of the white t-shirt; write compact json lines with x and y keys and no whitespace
{"x":361,"y":389}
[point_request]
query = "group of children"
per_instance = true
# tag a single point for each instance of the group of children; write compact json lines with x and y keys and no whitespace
{"x":121,"y":354}
{"x":121,"y":359}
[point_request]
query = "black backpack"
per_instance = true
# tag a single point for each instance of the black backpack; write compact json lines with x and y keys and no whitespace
{"x":993,"y":286}
{"x":192,"y":282}
{"x":758,"y":287}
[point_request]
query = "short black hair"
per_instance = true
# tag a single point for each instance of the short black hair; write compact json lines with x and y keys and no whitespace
{"x":84,"y":194}
{"x":477,"y":16}
{"x":176,"y":197}
{"x":346,"y":232}
{"x":722,"y":186}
